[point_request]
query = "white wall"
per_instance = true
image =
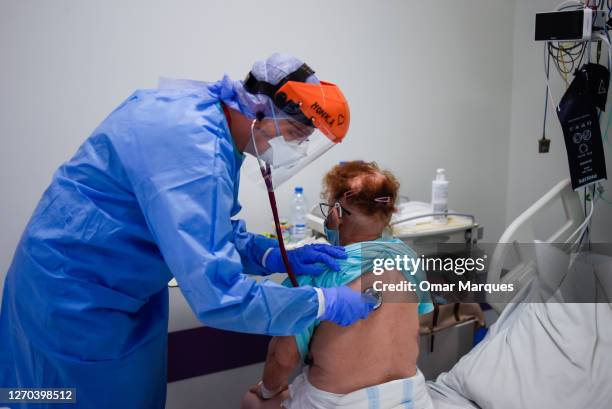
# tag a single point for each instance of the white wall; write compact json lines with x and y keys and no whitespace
{"x":530,"y":174}
{"x":427,"y":89}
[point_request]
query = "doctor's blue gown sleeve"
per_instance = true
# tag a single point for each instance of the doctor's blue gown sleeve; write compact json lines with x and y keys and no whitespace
{"x":149,"y":195}
{"x":184,"y":170}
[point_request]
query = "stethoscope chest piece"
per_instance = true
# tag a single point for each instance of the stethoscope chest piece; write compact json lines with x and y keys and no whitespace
{"x":376,"y":294}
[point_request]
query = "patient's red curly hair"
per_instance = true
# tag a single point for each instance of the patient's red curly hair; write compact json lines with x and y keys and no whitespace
{"x":364,"y":185}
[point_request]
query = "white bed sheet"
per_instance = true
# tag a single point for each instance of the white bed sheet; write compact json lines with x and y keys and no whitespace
{"x":542,"y":355}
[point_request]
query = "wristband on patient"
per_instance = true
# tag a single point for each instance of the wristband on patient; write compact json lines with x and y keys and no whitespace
{"x":266,"y":393}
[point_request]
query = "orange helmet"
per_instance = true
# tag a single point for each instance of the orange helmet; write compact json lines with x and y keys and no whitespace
{"x":321,"y":105}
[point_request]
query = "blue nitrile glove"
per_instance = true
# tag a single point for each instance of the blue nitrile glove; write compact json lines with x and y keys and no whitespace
{"x":344,"y":306}
{"x":310,"y":259}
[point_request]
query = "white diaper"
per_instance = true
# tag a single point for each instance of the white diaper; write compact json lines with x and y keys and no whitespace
{"x":408,"y":393}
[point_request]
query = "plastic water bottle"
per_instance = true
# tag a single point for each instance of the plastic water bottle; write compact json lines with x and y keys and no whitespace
{"x":299,"y":211}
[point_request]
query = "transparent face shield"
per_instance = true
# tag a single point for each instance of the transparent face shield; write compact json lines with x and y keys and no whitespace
{"x":282,"y":147}
{"x":285,"y":146}
{"x":305,"y":121}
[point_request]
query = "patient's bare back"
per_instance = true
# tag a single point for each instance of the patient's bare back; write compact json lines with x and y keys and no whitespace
{"x":382,"y":348}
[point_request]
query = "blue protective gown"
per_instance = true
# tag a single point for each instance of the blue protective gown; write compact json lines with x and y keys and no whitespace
{"x":148,"y":196}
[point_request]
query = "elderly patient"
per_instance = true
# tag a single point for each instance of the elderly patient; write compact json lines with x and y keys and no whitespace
{"x":373,"y":362}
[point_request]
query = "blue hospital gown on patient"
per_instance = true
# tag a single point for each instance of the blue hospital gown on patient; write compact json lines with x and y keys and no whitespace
{"x":360,"y":260}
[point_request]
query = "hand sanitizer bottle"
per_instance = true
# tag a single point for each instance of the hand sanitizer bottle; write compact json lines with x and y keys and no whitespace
{"x":439,"y":197}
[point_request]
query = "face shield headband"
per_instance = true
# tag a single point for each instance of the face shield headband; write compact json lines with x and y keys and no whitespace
{"x":255,"y":86}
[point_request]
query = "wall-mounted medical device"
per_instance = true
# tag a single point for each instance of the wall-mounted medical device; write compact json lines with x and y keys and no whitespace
{"x":571,"y":25}
{"x":574,"y":36}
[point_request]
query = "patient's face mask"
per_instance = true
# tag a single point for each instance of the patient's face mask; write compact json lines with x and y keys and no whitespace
{"x":333,"y":215}
{"x":333,"y":235}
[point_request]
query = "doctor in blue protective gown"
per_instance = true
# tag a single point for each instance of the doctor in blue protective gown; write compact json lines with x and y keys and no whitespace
{"x":148,"y":196}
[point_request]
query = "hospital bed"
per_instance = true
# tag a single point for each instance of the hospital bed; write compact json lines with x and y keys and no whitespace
{"x":540,"y":354}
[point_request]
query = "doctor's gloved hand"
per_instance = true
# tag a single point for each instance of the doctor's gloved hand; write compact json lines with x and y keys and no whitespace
{"x":344,"y":306}
{"x":310,"y":259}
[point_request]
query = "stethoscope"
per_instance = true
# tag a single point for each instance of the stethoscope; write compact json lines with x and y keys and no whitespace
{"x":376,"y":294}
